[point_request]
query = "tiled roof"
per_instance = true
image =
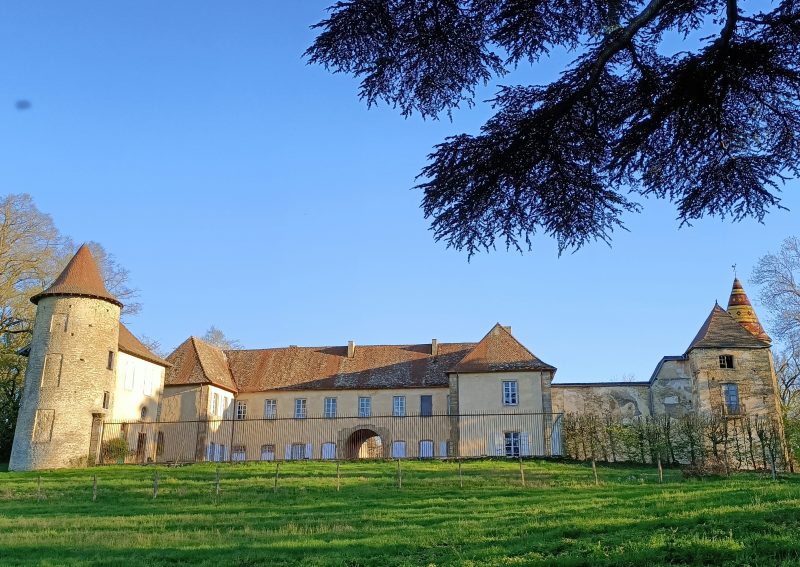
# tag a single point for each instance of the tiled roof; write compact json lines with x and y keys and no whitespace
{"x":742,"y":311}
{"x":80,"y":278}
{"x":128,"y":343}
{"x":330,"y":368}
{"x":499,"y":351}
{"x":323,"y":368}
{"x":197,"y":362}
{"x":720,"y":330}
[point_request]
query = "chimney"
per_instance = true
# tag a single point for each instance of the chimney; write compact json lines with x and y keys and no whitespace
{"x":434,"y":347}
{"x":508,"y":328}
{"x":351,"y":349}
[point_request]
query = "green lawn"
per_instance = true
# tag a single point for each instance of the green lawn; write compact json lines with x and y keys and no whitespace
{"x":559,"y":518}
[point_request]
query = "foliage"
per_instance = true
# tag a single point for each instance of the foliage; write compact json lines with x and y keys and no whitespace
{"x":693,"y":101}
{"x":116,"y":278}
{"x":777,"y":275}
{"x":114,"y":450}
{"x":559,"y":518}
{"x":704,"y":442}
{"x":217,"y":338}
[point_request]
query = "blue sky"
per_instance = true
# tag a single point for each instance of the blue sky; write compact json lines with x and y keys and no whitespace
{"x":246,"y":189}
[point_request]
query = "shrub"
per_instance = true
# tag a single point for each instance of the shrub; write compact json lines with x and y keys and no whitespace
{"x":115,"y":450}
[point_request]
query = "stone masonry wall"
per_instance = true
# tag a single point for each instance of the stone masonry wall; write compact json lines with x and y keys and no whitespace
{"x":671,"y":391}
{"x":753,"y":373}
{"x":65,"y":382}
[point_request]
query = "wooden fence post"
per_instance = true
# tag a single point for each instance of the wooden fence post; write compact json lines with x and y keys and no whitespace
{"x":521,"y":473}
{"x":399,"y":475}
{"x":460,"y":478}
{"x":94,"y":488}
{"x":277,"y":469}
{"x":155,"y":485}
{"x":594,"y":470}
{"x":660,"y":471}
{"x":39,"y":488}
{"x":216,"y":492}
{"x":338,"y":478}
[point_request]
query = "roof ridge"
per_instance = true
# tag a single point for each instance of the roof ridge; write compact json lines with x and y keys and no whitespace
{"x":341,"y":346}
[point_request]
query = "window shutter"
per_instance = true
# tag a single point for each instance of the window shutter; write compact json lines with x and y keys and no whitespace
{"x":443,"y":448}
{"x":555,"y":437}
{"x":426,"y":405}
{"x":288,"y":455}
{"x":309,"y":451}
{"x":500,"y":444}
{"x":524,"y":448}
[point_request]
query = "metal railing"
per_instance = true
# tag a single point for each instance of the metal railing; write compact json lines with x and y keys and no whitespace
{"x":511,"y":434}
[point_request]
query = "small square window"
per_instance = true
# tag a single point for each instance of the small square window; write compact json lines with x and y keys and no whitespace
{"x":239,"y":453}
{"x":110,"y":364}
{"x":106,"y":399}
{"x":270,"y":409}
{"x":726,"y":361}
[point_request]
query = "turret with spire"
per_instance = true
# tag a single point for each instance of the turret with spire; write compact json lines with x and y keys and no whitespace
{"x":742,"y":311}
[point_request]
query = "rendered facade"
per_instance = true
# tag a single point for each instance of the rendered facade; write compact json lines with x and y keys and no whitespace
{"x":89,"y":380}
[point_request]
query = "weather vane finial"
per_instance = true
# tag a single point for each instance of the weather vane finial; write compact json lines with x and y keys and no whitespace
{"x":734,"y":271}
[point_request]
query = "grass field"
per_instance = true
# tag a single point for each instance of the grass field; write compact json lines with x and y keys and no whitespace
{"x":559,"y":518}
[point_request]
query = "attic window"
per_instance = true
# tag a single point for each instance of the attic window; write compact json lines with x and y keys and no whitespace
{"x":726,"y":361}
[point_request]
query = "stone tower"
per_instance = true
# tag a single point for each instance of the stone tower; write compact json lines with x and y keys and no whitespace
{"x":731,"y":362}
{"x":71,"y":370}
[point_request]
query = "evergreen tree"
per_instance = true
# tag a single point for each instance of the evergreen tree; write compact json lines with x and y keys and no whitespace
{"x":694,"y":101}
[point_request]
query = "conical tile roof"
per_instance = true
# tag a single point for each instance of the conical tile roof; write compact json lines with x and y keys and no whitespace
{"x":80,"y":278}
{"x":742,"y":311}
{"x":721,"y":330}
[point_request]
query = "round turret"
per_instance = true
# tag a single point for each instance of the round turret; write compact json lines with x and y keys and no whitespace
{"x":71,"y":369}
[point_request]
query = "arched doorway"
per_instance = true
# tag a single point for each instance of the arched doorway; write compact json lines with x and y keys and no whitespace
{"x":365,"y":444}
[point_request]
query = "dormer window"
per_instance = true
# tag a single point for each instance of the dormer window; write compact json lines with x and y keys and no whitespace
{"x":726,"y":361}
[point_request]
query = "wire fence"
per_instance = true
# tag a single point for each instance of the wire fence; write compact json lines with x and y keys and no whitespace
{"x":345,"y":438}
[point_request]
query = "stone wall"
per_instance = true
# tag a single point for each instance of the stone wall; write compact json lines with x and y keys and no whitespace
{"x":671,"y":389}
{"x":67,"y":381}
{"x":623,"y":400}
{"x":753,"y":373}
